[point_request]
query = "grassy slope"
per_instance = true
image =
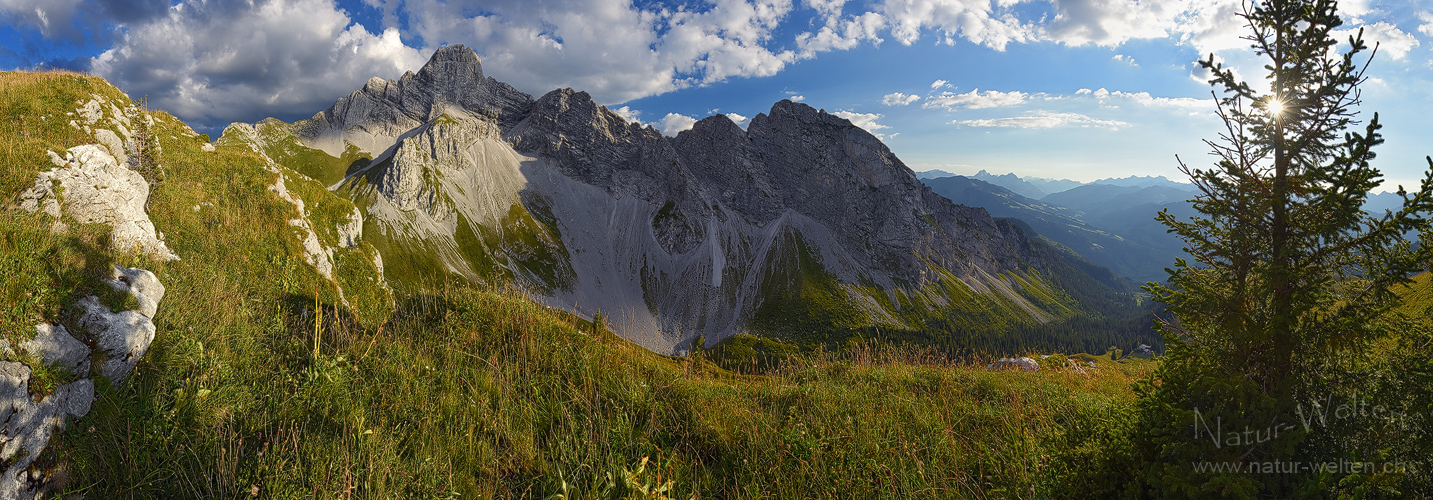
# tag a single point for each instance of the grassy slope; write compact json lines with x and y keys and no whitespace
{"x":470,"y":391}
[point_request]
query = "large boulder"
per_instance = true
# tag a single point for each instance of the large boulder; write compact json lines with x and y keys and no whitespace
{"x":123,"y":336}
{"x":95,"y":188}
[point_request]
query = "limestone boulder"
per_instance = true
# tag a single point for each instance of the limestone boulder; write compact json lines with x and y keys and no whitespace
{"x":94,"y":188}
{"x":142,"y":284}
{"x":1021,"y":363}
{"x":123,"y":336}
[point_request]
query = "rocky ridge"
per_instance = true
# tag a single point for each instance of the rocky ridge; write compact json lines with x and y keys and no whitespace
{"x":121,"y":339}
{"x":673,"y":238}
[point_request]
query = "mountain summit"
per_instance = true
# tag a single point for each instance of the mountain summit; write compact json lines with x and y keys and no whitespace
{"x":802,"y":224}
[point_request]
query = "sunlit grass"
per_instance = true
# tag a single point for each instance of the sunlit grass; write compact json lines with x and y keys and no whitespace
{"x":473,"y":393}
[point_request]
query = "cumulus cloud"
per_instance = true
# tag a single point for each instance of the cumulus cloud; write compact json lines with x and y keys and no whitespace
{"x":866,"y":121}
{"x":52,"y":17}
{"x":739,"y":119}
{"x":610,"y":48}
{"x":628,"y":114}
{"x":975,"y":99}
{"x":1391,"y":40}
{"x":797,"y":98}
{"x":938,"y":84}
{"x":673,"y":124}
{"x":982,"y":22}
{"x":215,"y":62}
{"x":1112,"y":22}
{"x":1427,"y":27}
{"x":899,"y":99}
{"x":841,"y":34}
{"x":1044,"y":119}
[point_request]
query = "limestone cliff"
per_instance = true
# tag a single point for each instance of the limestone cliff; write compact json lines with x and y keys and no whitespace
{"x":716,"y":231}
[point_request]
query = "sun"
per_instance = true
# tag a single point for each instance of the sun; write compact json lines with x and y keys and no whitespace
{"x":1275,"y":107}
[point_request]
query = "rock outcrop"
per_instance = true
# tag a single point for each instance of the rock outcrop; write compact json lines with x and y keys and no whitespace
{"x":1020,"y":363}
{"x":89,"y":185}
{"x":26,"y":425}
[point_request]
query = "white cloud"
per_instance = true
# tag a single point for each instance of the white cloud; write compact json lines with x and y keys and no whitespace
{"x":1044,"y":119}
{"x":215,"y":62}
{"x":673,"y":124}
{"x":1111,"y":22}
{"x":1145,"y":99}
{"x":899,"y":99}
{"x":1427,"y":27}
{"x":975,"y":99}
{"x":938,"y":84}
{"x":981,"y":22}
{"x":52,"y":17}
{"x":798,"y":98}
{"x":841,"y":34}
{"x":628,"y":114}
{"x":610,"y":48}
{"x":1125,"y":59}
{"x":1391,"y":40}
{"x":866,"y":121}
{"x":739,"y":119}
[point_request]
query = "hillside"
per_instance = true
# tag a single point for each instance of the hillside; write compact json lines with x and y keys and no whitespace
{"x":1139,"y":260}
{"x":284,"y":366}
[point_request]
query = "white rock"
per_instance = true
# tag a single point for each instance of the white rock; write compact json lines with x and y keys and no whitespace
{"x":26,"y":426}
{"x":349,"y":232}
{"x":114,"y":143}
{"x":54,"y":345}
{"x":96,"y":189}
{"x":142,"y":284}
{"x":124,"y":337}
{"x":1021,"y":363}
{"x":207,"y":147}
{"x":91,"y":112}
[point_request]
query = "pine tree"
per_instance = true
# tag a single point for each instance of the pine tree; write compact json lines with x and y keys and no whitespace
{"x":1291,"y":279}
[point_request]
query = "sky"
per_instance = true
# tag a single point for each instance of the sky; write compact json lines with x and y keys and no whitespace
{"x":1076,"y":89}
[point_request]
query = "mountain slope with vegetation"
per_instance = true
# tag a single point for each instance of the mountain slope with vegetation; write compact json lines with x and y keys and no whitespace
{"x":283,"y":367}
{"x":802,"y":227}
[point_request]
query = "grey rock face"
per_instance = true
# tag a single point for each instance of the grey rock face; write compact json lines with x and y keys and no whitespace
{"x":123,"y":336}
{"x":683,"y":236}
{"x":26,"y":426}
{"x":586,"y":142}
{"x":55,"y":347}
{"x":374,"y":117}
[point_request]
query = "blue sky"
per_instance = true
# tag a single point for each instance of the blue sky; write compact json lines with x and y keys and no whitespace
{"x":1080,"y":89}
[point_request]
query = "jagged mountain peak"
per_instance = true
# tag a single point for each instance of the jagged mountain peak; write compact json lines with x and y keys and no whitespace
{"x":374,"y":117}
{"x":703,"y":234}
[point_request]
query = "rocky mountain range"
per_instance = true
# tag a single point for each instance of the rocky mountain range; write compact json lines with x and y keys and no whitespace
{"x":717,"y":231}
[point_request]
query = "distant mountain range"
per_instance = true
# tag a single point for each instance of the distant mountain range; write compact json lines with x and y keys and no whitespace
{"x":1110,"y":221}
{"x":1101,"y":222}
{"x":801,"y":226}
